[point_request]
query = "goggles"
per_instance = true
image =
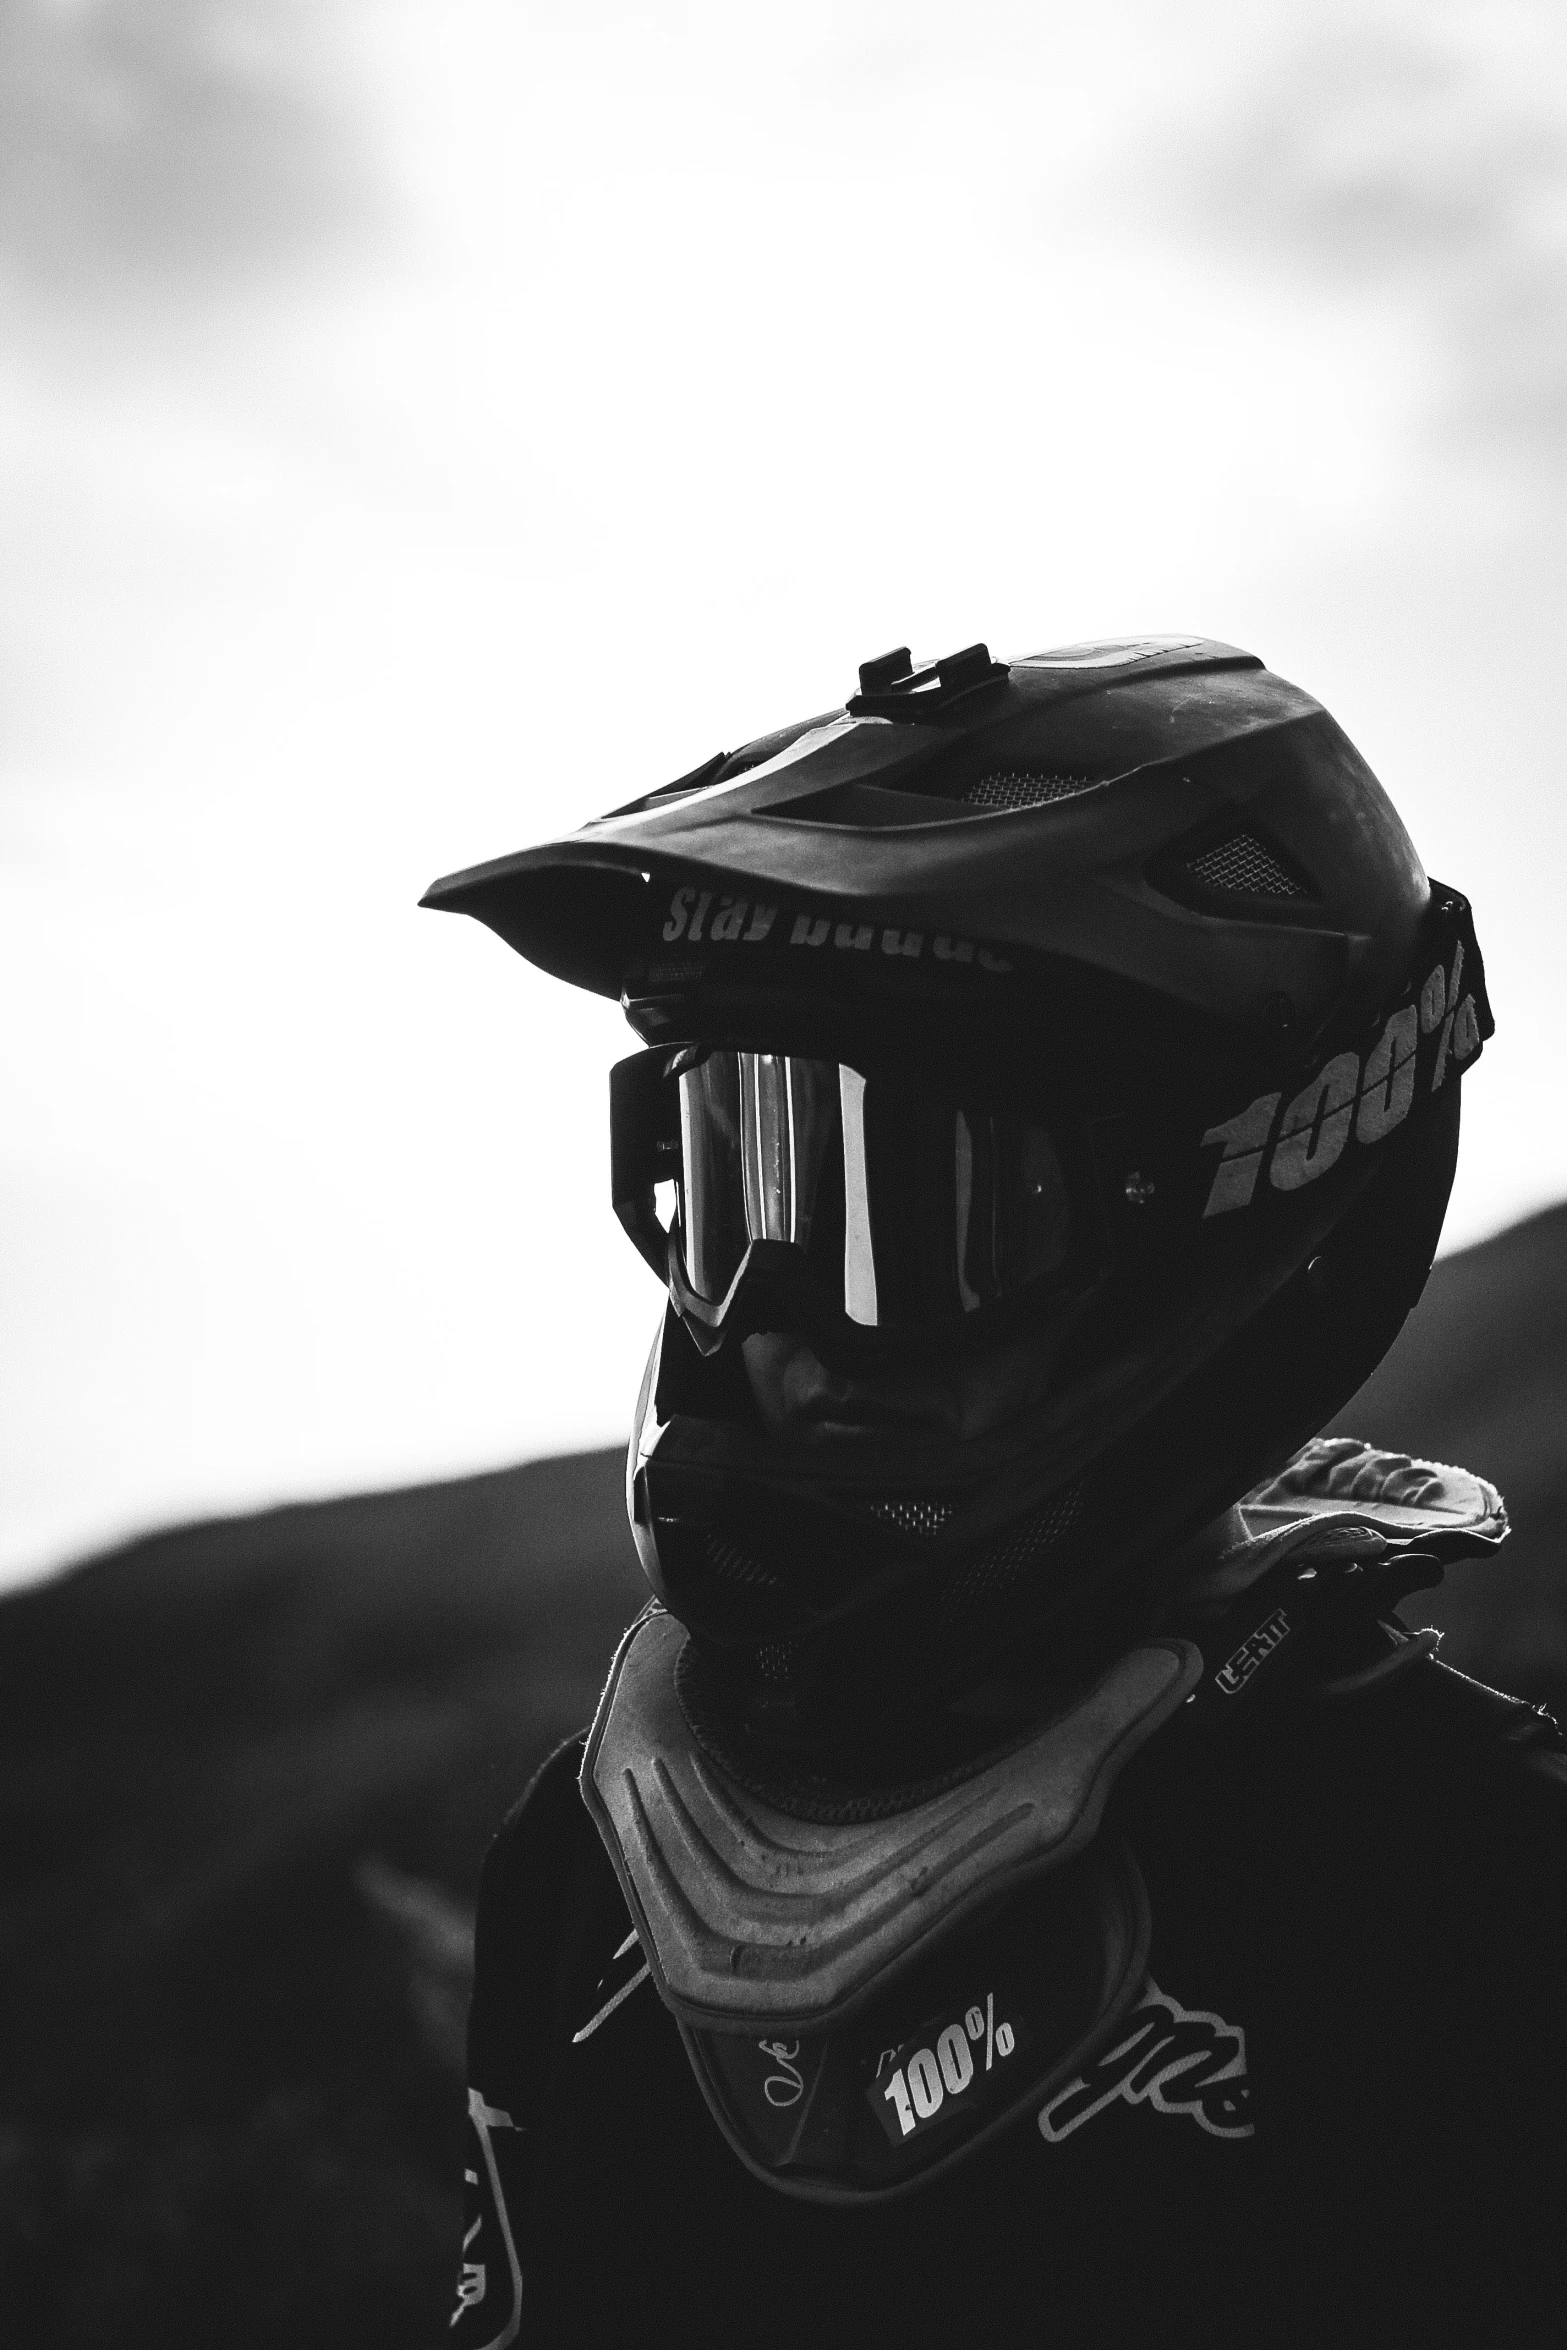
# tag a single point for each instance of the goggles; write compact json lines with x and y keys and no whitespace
{"x":809,"y":1196}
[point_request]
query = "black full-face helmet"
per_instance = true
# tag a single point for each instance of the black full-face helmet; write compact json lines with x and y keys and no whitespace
{"x":1094,"y":1005}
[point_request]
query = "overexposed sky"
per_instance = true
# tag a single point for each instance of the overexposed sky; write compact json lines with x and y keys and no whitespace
{"x":424,"y":424}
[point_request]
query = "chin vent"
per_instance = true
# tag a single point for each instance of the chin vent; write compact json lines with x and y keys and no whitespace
{"x":732,"y":1565}
{"x":995,"y":1574}
{"x":924,"y":1518}
{"x":776,"y":1661}
{"x":1244,"y":867}
{"x":1025,"y":791}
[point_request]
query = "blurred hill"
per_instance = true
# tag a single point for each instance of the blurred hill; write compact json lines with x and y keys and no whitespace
{"x":1479,"y":1376}
{"x":247,"y":1773}
{"x":249,"y":1770}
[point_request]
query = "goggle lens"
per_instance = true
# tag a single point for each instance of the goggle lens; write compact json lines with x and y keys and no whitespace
{"x":909,"y":1208}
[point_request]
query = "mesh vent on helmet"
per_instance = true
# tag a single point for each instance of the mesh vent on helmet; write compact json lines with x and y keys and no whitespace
{"x":997,"y":1571}
{"x":731,"y":1564}
{"x":1024,"y":791}
{"x":1243,"y":865}
{"x":925,"y":1518}
{"x":776,"y":1662}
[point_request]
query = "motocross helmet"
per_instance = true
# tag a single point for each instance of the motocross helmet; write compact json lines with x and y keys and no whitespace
{"x":1099,"y":996}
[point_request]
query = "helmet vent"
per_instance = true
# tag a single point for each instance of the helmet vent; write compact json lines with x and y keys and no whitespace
{"x":996,"y":1572}
{"x":1010,"y":790}
{"x":1243,"y":867}
{"x":924,"y":1518}
{"x":731,"y":1564}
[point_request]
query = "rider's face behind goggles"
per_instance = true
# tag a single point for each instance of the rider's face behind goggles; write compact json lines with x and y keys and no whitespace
{"x":859,"y":1211}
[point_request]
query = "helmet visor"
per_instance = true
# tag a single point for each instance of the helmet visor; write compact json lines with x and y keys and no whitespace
{"x":909,"y":1209}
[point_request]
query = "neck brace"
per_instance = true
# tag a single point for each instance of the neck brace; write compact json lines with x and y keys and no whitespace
{"x":1296,"y":1587}
{"x":1341,"y":1499}
{"x":864,"y":2004}
{"x":985,"y":1940}
{"x":754,"y":1919}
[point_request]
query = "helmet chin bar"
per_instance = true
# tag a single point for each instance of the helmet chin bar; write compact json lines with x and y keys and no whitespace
{"x":834,"y":1593}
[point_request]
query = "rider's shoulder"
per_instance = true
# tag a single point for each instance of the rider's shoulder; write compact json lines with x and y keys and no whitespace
{"x":1486,"y":1733}
{"x":1445,"y":1763}
{"x":535,"y":1846}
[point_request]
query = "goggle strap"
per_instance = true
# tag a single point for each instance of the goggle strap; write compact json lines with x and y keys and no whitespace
{"x":642,"y":1151}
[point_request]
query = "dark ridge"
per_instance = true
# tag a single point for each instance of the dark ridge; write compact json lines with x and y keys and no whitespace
{"x":1479,"y":1376}
{"x":249,"y":1771}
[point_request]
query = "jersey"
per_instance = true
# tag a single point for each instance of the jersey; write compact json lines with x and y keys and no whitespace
{"x":1338,"y":2102}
